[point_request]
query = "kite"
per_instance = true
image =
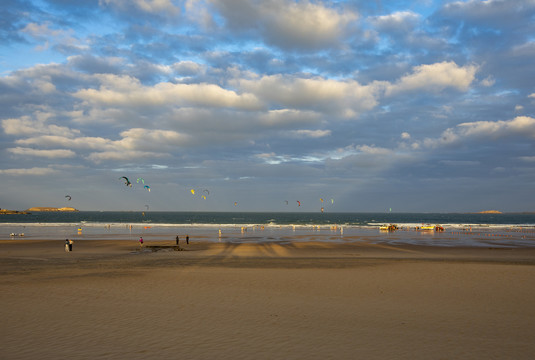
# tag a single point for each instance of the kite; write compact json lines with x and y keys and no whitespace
{"x":204,"y":191}
{"x":235,"y":203}
{"x":68,"y":197}
{"x":147,"y":187}
{"x":140,"y":179}
{"x":126,"y":181}
{"x":321,"y":199}
{"x":299,"y":202}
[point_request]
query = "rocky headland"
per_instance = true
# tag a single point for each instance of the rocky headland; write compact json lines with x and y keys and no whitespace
{"x":6,"y":211}
{"x":35,"y":209}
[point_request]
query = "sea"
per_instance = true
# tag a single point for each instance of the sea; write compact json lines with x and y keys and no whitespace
{"x":460,"y":229}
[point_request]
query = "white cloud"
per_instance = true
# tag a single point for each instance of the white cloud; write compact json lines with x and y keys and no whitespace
{"x":347,"y":98}
{"x":374,"y":150}
{"x":37,"y":171}
{"x":44,"y":86}
{"x":274,"y":159}
{"x":288,"y":117}
{"x":301,"y":134}
{"x":52,"y":154}
{"x":187,"y":68}
{"x":26,"y":125}
{"x":38,"y":78}
{"x":41,"y":31}
{"x":374,"y":159}
{"x":127,"y":91}
{"x":121,"y":155}
{"x":528,"y":158}
{"x":304,"y":24}
{"x":520,"y":125}
{"x":401,"y":21}
{"x":265,"y":155}
{"x":488,"y":81}
{"x":155,"y":140}
{"x":289,"y":24}
{"x":359,"y":150}
{"x":47,"y":36}
{"x":435,"y":77}
{"x":138,"y":141}
{"x":76,"y":143}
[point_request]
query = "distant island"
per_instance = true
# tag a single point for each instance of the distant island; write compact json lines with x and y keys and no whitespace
{"x":51,"y":209}
{"x":490,"y":212}
{"x":5,"y":211}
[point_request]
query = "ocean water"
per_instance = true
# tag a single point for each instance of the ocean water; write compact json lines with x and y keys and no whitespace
{"x":271,"y":218}
{"x":493,"y":230}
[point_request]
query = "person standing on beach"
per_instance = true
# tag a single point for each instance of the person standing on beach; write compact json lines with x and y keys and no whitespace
{"x":177,"y":239}
{"x":187,"y":239}
{"x":67,"y":245}
{"x":70,"y":244}
{"x":140,"y":241}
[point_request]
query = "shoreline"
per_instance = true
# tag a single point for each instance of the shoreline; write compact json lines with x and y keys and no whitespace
{"x":487,"y":237}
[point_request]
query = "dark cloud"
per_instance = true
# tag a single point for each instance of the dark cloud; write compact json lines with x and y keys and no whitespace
{"x":96,"y":65}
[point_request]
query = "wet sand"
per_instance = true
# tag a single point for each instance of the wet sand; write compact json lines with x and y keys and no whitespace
{"x":265,"y":300}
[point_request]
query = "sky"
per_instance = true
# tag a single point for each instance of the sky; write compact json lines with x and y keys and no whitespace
{"x":372,"y":106}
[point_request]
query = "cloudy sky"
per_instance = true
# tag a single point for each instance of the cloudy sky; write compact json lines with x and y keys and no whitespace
{"x":411,"y":105}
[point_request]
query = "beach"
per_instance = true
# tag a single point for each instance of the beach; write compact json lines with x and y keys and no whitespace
{"x":289,"y":299}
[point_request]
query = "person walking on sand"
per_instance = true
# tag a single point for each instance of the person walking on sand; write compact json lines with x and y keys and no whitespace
{"x":177,"y":239}
{"x":187,"y":239}
{"x":140,"y":241}
{"x":70,"y":244}
{"x":67,"y":245}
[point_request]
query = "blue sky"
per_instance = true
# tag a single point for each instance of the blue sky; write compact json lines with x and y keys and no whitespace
{"x":412,"y":105}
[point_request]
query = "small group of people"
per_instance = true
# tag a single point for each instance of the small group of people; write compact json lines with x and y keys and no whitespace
{"x":68,"y":245}
{"x":178,"y":239}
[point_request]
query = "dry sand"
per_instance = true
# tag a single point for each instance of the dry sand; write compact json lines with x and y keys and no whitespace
{"x":300,"y":300}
